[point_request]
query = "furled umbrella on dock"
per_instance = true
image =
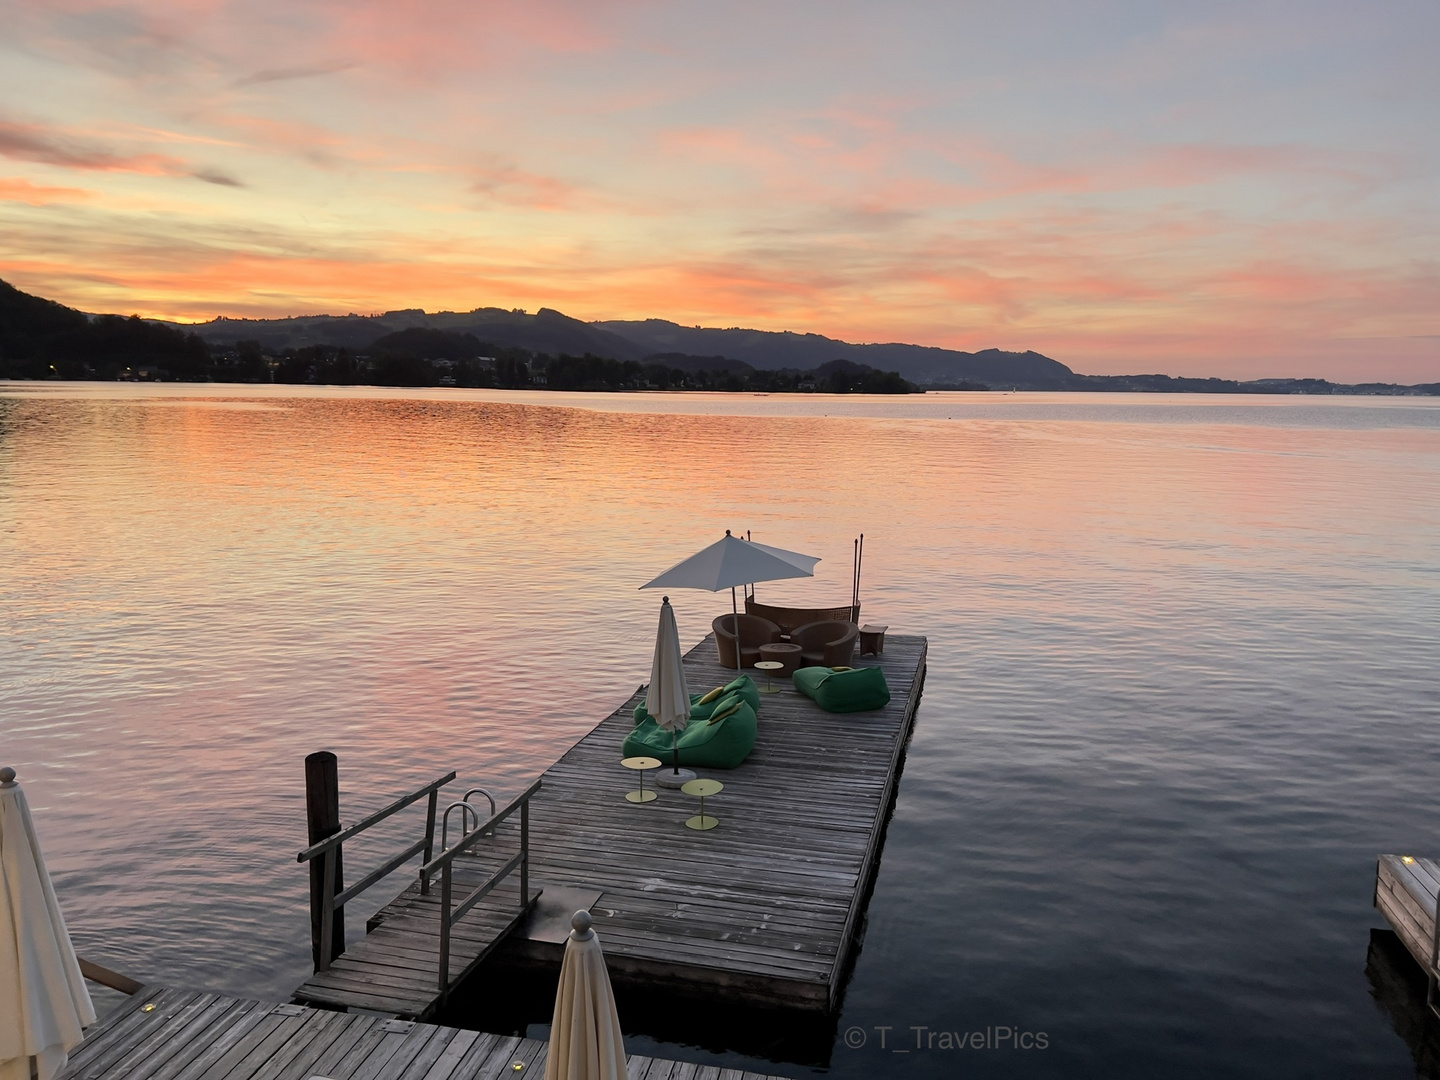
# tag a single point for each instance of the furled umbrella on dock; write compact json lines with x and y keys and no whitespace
{"x":729,"y":563}
{"x":668,"y":699}
{"x":44,"y":1006}
{"x":585,"y":1040}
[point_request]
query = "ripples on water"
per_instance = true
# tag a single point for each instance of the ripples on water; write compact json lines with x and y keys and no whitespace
{"x":1182,"y":682}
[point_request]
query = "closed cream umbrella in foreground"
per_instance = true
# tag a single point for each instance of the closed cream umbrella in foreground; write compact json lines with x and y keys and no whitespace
{"x":585,"y":1042}
{"x":44,"y":1005}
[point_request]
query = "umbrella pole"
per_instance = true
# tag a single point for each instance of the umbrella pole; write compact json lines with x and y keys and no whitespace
{"x":736,"y":610}
{"x":859,"y":566}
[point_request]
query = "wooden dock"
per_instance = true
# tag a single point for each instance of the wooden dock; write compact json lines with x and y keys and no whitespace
{"x":1406,"y":888}
{"x":161,"y":1034}
{"x":763,"y":910}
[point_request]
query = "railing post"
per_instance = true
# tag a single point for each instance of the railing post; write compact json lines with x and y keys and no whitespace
{"x":525,"y":854}
{"x":444,"y":930}
{"x":322,"y":811}
{"x":429,"y":839}
{"x":327,"y":910}
{"x":1430,"y":976}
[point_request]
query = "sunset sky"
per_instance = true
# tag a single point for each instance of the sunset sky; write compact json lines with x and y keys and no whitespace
{"x":1245,"y":190}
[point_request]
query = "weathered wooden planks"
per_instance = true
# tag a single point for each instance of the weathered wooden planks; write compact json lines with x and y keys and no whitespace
{"x":194,"y":1036}
{"x":763,"y":909}
{"x":394,"y":968}
{"x":1406,"y":888}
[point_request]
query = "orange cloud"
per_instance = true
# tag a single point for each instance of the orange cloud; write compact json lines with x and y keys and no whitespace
{"x":16,"y":189}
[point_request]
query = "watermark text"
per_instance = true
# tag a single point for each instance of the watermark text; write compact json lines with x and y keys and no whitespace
{"x":921,"y":1038}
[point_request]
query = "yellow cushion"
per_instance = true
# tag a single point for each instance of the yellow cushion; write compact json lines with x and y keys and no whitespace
{"x":711,"y":696}
{"x":728,"y":712}
{"x":842,"y":669}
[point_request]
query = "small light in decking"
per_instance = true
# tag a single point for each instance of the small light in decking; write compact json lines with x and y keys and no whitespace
{"x":519,"y":1066}
{"x":149,"y":1006}
{"x":1407,"y":858}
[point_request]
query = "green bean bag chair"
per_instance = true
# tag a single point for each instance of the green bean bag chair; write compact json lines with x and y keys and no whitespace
{"x":722,"y":741}
{"x":844,"y":689}
{"x":701,"y":709}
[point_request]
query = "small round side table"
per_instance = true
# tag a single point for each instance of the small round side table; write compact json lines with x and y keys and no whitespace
{"x":787,"y":653}
{"x":641,"y":765}
{"x":702,"y":788}
{"x":769,"y":666}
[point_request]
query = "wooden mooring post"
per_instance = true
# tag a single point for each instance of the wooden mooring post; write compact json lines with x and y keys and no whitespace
{"x":322,"y":812}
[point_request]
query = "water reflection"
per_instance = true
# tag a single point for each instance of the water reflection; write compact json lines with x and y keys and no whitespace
{"x":1398,"y":985}
{"x":1182,"y":666}
{"x":510,"y":999}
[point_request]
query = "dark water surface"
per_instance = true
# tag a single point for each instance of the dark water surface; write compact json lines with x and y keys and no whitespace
{"x":1183,"y":679}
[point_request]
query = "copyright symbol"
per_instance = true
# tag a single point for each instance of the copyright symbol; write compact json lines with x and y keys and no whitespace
{"x":855,"y":1037}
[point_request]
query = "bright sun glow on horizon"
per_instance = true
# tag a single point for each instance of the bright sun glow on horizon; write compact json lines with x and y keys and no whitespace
{"x":1230,"y":189}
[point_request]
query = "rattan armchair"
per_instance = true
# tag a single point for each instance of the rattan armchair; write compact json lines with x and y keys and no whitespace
{"x":828,"y":643}
{"x":754,"y":632}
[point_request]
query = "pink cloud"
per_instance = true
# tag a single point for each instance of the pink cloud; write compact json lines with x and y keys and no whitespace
{"x":32,"y":142}
{"x":511,"y":186}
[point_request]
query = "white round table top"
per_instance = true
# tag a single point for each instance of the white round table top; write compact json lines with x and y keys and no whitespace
{"x":703,"y":787}
{"x":769,"y":665}
{"x":641,"y":763}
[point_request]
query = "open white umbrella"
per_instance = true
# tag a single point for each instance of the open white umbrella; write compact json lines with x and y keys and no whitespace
{"x":668,"y":699}
{"x":730,"y":562}
{"x":585,"y":1040}
{"x":44,"y":1005}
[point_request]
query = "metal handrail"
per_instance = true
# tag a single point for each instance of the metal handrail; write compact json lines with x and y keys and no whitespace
{"x":444,"y":865}
{"x":380,"y":815}
{"x":480,"y":791}
{"x":465,"y":811}
{"x":444,"y":859}
{"x":328,"y":851}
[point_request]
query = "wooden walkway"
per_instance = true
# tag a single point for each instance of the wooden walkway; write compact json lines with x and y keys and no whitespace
{"x":764,"y":909}
{"x":394,"y":968}
{"x":1405,"y":893}
{"x":185,"y":1035}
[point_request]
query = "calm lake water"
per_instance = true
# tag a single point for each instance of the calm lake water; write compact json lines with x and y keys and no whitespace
{"x":1183,"y":680}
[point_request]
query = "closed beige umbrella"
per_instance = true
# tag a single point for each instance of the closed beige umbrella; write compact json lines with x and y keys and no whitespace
{"x":44,"y":1005}
{"x":585,"y":1042}
{"x":668,"y":699}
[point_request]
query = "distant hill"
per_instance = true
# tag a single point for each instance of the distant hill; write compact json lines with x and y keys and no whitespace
{"x":692,"y":365}
{"x":769,"y":350}
{"x":40,"y":339}
{"x":553,"y":333}
{"x":547,"y":331}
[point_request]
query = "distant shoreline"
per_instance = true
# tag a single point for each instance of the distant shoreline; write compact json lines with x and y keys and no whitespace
{"x":492,"y":349}
{"x":1335,"y":389}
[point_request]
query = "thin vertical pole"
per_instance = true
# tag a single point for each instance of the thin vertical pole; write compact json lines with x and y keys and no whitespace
{"x":525,"y":850}
{"x":854,"y":565}
{"x":322,"y":812}
{"x":859,"y":565}
{"x":444,"y":930}
{"x":751,"y":594}
{"x":736,"y":610}
{"x":430,"y":839}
